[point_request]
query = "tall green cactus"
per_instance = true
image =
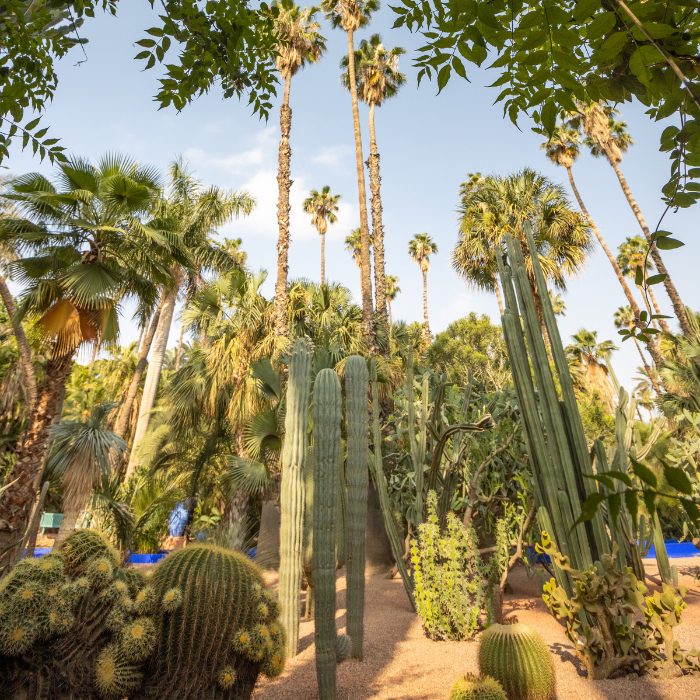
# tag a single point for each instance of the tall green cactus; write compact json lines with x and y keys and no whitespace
{"x":341,"y":507}
{"x":356,"y":385}
{"x":327,"y":415}
{"x":308,"y":562}
{"x":296,"y":425}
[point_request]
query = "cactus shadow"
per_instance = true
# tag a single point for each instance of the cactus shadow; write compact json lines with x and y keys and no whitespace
{"x":563,"y":651}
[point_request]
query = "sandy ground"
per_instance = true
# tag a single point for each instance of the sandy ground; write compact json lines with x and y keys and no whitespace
{"x":400,"y":662}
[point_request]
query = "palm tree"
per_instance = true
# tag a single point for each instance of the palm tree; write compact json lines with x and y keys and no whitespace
{"x":420,"y":248}
{"x":392,"y":289}
{"x":610,"y":138}
{"x":632,"y":254}
{"x":624,"y":318}
{"x":322,"y":207}
{"x":197,"y":211}
{"x":587,"y":353}
{"x":377,"y":78}
{"x":492,"y":206}
{"x":300,"y":43}
{"x":89,"y":250}
{"x":353,"y":244}
{"x":351,"y":15}
{"x":80,"y":453}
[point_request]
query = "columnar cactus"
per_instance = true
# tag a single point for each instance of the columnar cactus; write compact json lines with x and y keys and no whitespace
{"x":327,"y":414}
{"x":516,"y":656}
{"x":471,"y":687}
{"x":220,"y":635}
{"x":292,"y":500}
{"x":308,"y":562}
{"x":356,"y":384}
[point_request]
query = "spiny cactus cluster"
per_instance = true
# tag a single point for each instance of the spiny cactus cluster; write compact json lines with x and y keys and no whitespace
{"x":471,"y":687}
{"x":516,"y":656}
{"x":75,"y":624}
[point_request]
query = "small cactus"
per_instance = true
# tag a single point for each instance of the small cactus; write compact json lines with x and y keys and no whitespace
{"x":115,"y":677}
{"x":516,"y":656}
{"x":83,"y":547}
{"x":471,"y":687}
{"x":343,"y":648}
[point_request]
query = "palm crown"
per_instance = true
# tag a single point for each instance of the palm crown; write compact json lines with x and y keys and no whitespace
{"x":300,"y":41}
{"x":349,"y":15}
{"x":376,"y":71}
{"x":633,"y":254}
{"x":587,"y":349}
{"x":322,"y":207}
{"x":353,"y":245}
{"x":563,"y":146}
{"x":392,"y":287}
{"x":420,"y":248}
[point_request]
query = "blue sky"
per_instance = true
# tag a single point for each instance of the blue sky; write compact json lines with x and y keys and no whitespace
{"x":428,"y":144}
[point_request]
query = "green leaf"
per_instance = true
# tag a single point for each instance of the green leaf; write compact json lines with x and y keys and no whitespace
{"x":632,"y":504}
{"x":668,"y":243}
{"x":639,"y":276}
{"x":600,"y":25}
{"x":655,"y":279}
{"x":678,"y":479}
{"x":459,"y":67}
{"x":549,"y":117}
{"x":146,"y":43}
{"x":614,"y":503}
{"x":691,"y":509}
{"x":620,"y":476}
{"x":644,"y":473}
{"x":650,"y":502}
{"x":32,"y":124}
{"x":443,"y":77}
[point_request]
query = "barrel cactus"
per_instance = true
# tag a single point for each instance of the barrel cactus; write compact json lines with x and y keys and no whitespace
{"x":516,"y":656}
{"x":216,"y":627}
{"x":471,"y":687}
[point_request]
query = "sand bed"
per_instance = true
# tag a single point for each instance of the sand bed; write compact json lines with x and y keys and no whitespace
{"x":400,"y":662}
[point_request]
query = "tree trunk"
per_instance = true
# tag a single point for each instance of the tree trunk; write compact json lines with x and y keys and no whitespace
{"x":95,"y":350}
{"x":647,"y":369}
{"x":323,"y":258}
{"x":662,"y":323}
{"x":498,"y":295}
{"x":74,"y":504}
{"x":656,"y":256}
{"x":150,"y":389}
{"x":426,"y":325}
{"x":25,"y":354}
{"x":16,"y":503}
{"x":377,"y":226}
{"x":125,"y":413}
{"x":646,"y":303}
{"x":284,"y":185}
{"x":179,"y":347}
{"x":365,"y":260}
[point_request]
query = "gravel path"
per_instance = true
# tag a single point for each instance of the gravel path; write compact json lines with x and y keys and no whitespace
{"x":400,"y":662}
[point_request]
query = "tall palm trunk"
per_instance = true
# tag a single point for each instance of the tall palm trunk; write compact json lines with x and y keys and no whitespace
{"x":179,"y":347}
{"x":125,"y":413}
{"x":16,"y":503}
{"x":238,"y":508}
{"x":647,"y":369}
{"x":662,"y":323}
{"x":426,"y":325}
{"x":150,"y":389}
{"x":284,"y":185}
{"x":365,"y":261}
{"x":73,"y":505}
{"x":377,"y":227}
{"x":656,"y":256}
{"x":323,"y":258}
{"x":25,"y":354}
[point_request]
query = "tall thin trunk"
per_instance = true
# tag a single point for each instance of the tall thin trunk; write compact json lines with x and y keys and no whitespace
{"x":284,"y":185}
{"x":125,"y":413}
{"x":662,"y":323}
{"x":25,"y":354}
{"x":646,"y":303}
{"x":426,"y":325}
{"x":179,"y":347}
{"x":391,"y":323}
{"x":150,"y":388}
{"x":499,"y":299}
{"x":656,"y":256}
{"x":71,"y":512}
{"x":95,"y":350}
{"x":16,"y":503}
{"x":647,"y":369}
{"x":375,"y":182}
{"x":366,"y":263}
{"x":323,"y":258}
{"x":138,"y":344}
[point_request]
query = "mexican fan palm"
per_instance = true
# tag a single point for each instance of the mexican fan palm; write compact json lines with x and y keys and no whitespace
{"x":420,"y":248}
{"x":197,"y":211}
{"x":351,"y":15}
{"x":80,"y":452}
{"x":490,"y":207}
{"x":353,"y":244}
{"x":377,"y":79}
{"x":392,"y":289}
{"x":300,"y":43}
{"x":89,"y":243}
{"x":589,"y":356}
{"x":322,"y":206}
{"x":609,"y":138}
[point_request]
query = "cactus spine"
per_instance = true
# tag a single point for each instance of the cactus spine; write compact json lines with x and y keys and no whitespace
{"x":516,"y":656}
{"x":471,"y":687}
{"x":327,"y":414}
{"x":292,"y":500}
{"x":356,"y":385}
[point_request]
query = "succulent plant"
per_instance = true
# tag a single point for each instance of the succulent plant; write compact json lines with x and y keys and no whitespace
{"x":471,"y":687}
{"x":516,"y":656}
{"x":84,"y":546}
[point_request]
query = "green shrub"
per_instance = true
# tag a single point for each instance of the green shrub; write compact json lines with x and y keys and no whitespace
{"x":453,"y":587}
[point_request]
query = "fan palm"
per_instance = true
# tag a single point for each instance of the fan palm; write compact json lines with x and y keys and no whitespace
{"x":86,"y":250}
{"x":624,"y":318}
{"x":377,"y":79}
{"x":558,"y":304}
{"x":586,"y":353}
{"x":80,"y":453}
{"x":351,"y":15}
{"x":609,"y":138}
{"x":392,"y":289}
{"x":420,"y":248}
{"x":681,"y":371}
{"x":300,"y":43}
{"x":492,"y":206}
{"x":353,"y":244}
{"x":322,"y":206}
{"x":197,"y":211}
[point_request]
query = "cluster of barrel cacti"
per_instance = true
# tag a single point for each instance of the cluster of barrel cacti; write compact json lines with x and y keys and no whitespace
{"x":517,"y":657}
{"x":75,"y":624}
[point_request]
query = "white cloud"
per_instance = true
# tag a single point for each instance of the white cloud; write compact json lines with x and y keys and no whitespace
{"x":332,"y":155}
